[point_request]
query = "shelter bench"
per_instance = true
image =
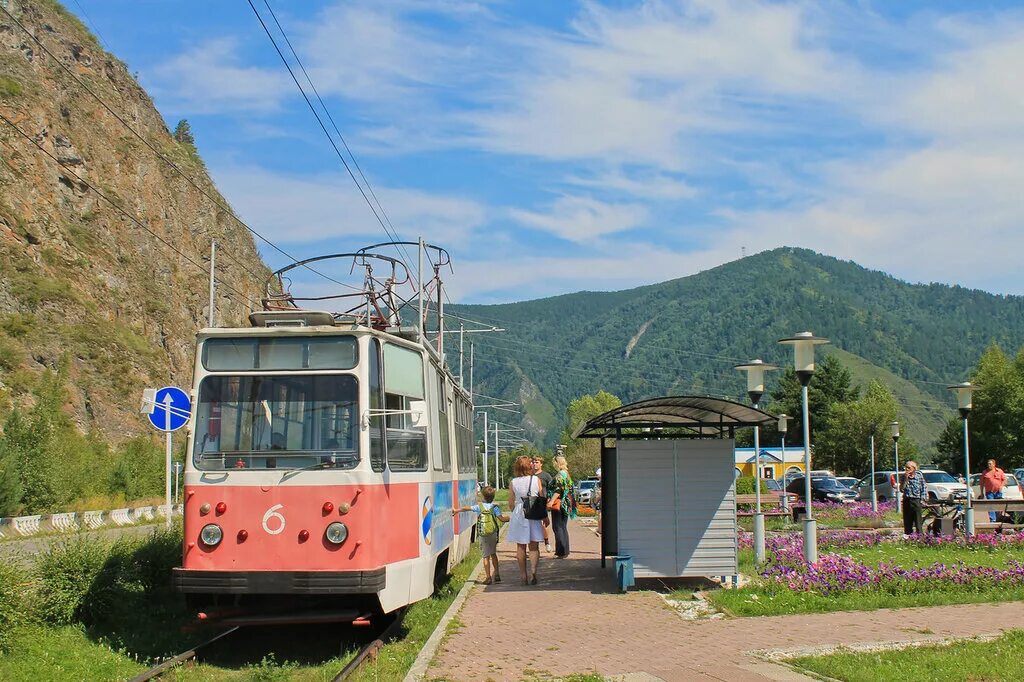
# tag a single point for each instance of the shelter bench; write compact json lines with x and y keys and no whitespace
{"x":771,"y":505}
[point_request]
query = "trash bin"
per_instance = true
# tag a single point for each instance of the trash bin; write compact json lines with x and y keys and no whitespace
{"x":624,"y":572}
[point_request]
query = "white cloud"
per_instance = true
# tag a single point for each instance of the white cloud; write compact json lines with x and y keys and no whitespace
{"x":633,"y":84}
{"x":294,"y":209}
{"x":646,"y":185}
{"x":581,"y":219}
{"x":210,"y":78}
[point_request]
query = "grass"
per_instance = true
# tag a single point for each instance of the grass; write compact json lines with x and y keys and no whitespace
{"x":759,"y":599}
{"x":62,"y":653}
{"x":994,"y":660}
{"x":148,"y":626}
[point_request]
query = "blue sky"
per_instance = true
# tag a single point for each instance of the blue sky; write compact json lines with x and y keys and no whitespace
{"x":558,"y":146}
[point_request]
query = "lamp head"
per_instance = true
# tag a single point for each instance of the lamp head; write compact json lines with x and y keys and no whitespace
{"x":894,"y":428}
{"x":964,"y":397}
{"x":803,"y":353}
{"x":783,"y":423}
{"x":755,"y":370}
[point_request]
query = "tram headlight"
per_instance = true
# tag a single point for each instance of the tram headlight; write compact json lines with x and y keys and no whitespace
{"x":211,"y":535}
{"x":336,"y":533}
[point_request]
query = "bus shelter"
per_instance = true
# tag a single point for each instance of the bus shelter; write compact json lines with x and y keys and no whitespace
{"x":668,"y":495}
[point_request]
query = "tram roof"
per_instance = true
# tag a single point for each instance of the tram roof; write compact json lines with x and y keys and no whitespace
{"x":696,"y":415}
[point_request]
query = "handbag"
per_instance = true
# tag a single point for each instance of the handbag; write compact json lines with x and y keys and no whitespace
{"x":534,"y":506}
{"x":555,"y":503}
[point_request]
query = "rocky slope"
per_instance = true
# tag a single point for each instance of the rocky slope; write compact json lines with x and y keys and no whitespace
{"x":81,"y":285}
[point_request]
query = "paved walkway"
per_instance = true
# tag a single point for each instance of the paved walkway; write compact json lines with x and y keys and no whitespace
{"x":574,"y":622}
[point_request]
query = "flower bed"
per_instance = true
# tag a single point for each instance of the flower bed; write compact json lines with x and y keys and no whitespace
{"x":836,"y":572}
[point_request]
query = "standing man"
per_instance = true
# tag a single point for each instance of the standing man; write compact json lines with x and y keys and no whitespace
{"x":545,"y":477}
{"x":992,"y":483}
{"x":914,"y":493}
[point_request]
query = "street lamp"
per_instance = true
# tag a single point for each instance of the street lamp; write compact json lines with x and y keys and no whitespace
{"x":964,"y":395}
{"x":783,"y":425}
{"x":895,"y":428}
{"x":874,"y":493}
{"x":803,"y":362}
{"x":755,"y":370}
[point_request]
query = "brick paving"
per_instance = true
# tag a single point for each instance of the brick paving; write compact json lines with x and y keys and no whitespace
{"x":574,"y":622}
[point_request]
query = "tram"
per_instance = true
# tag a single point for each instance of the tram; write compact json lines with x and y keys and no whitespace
{"x":325,"y":458}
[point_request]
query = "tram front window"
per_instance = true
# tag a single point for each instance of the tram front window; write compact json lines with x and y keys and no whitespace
{"x":277,"y":422}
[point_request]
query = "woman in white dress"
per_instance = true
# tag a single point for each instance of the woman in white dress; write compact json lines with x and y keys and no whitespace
{"x":526,"y":533}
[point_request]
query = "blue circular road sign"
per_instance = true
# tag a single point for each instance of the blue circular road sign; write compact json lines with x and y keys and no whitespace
{"x":181,"y":408}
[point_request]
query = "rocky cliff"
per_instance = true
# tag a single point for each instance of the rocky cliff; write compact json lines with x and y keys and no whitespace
{"x":89,"y":213}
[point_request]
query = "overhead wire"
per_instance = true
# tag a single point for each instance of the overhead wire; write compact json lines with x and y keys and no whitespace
{"x":291,"y":72}
{"x":112,"y":203}
{"x":92,"y":25}
{"x":163,"y":157}
{"x":334,"y":125}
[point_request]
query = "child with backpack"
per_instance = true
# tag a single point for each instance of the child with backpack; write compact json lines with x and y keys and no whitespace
{"x":489,"y":520}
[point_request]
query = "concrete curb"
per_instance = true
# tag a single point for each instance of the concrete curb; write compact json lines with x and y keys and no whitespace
{"x":418,"y":671}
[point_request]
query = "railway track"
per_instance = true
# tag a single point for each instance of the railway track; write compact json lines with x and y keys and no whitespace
{"x":368,"y":652}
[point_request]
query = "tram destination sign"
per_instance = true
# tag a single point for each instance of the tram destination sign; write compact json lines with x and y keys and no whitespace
{"x":157,"y":402}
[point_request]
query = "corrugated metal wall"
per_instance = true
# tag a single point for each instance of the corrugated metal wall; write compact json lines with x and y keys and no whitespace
{"x":677,"y":508}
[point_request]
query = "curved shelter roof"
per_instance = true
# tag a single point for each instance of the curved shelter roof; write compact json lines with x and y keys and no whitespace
{"x":700,"y":415}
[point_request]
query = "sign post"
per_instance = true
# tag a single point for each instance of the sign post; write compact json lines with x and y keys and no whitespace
{"x":169,"y":409}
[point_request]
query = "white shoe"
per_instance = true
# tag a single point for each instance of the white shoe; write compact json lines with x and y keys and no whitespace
{"x":547,"y":547}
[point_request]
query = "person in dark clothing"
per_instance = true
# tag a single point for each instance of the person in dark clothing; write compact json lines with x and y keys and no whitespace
{"x":914,"y":493}
{"x":545,"y":478}
{"x":562,"y":506}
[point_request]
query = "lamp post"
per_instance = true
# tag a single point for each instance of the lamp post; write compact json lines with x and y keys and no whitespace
{"x":895,"y":428}
{"x":803,"y":362}
{"x":755,"y":370}
{"x":964,"y":397}
{"x":783,"y":425}
{"x":874,"y":494}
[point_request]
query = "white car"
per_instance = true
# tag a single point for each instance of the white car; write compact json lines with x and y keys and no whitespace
{"x":1011,"y":491}
{"x":942,"y":486}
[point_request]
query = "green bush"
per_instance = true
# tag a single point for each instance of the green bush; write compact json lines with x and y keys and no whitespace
{"x":745,"y":486}
{"x":66,"y":572}
{"x":93,"y":582}
{"x":13,"y":588}
{"x":11,"y":354}
{"x":138,"y":470}
{"x":9,"y":87}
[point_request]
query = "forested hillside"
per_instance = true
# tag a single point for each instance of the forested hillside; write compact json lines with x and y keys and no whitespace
{"x":684,"y":336}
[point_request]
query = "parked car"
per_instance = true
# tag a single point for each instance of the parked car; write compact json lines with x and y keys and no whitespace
{"x":1011,"y":491}
{"x":823,"y":489}
{"x":939,"y":484}
{"x":585,"y":490}
{"x":849,"y":481}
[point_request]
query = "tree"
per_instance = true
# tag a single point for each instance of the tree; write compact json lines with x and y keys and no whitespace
{"x":997,"y":420}
{"x":584,"y":454}
{"x":831,"y":386}
{"x":843,"y":442}
{"x":183,"y":133}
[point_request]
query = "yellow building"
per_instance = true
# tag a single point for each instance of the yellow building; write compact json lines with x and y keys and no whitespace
{"x":772,"y":463}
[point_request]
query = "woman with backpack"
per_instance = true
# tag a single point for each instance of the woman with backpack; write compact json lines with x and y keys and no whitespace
{"x":562,"y":504}
{"x":526,"y":527}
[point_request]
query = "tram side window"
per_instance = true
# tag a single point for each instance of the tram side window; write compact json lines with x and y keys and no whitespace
{"x":445,"y":453}
{"x":376,"y":403}
{"x":403,"y":384}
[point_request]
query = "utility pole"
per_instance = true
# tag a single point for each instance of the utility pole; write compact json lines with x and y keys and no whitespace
{"x":462,"y":334}
{"x":213,"y":285}
{"x":471,"y":368}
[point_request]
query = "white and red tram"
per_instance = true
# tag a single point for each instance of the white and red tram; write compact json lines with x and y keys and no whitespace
{"x":324,"y":462}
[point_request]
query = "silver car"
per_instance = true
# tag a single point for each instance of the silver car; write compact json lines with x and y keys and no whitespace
{"x":940,"y":486}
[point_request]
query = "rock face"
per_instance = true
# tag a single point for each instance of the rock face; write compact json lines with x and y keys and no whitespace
{"x":82,"y":285}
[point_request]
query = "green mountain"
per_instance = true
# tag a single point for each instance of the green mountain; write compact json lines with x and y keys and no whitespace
{"x":685,"y":335}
